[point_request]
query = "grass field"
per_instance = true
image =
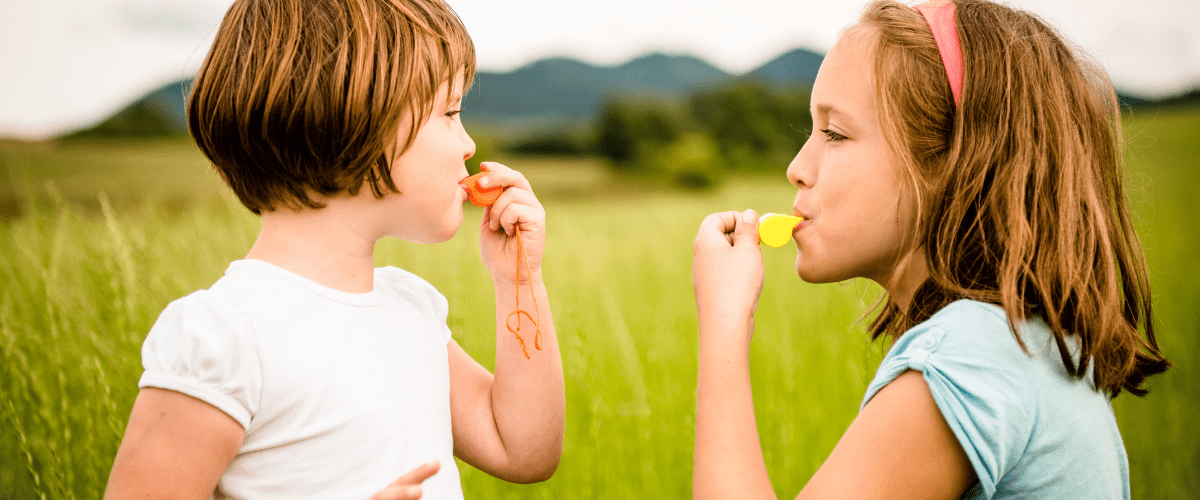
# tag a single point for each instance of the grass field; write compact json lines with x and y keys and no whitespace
{"x":85,"y":275}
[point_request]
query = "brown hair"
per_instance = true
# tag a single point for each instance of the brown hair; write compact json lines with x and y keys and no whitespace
{"x":1019,"y":191}
{"x":305,"y":97}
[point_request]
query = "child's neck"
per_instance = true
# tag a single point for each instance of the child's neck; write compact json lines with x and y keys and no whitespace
{"x":319,"y":245}
{"x":906,"y":278}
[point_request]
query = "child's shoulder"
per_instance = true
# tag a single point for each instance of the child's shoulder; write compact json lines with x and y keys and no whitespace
{"x":968,"y":313}
{"x":216,"y":301}
{"x":411,"y":288}
{"x":974,"y":329}
{"x":395,"y":279}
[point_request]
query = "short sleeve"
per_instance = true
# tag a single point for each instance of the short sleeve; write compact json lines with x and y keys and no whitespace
{"x":421,"y":294}
{"x":980,"y":379}
{"x":204,"y":347}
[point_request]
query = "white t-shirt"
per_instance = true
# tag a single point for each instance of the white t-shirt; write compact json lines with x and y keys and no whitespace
{"x":340,"y":393}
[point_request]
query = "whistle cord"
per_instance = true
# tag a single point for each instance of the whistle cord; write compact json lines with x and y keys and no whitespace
{"x":486,"y":197}
{"x":537,"y":337}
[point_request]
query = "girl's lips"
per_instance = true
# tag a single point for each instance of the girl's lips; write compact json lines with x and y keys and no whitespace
{"x":801,"y":224}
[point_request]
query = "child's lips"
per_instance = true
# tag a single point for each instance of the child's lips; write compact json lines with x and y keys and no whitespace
{"x":807,"y":220}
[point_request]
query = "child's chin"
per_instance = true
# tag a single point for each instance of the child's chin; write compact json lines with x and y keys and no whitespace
{"x":444,"y":235}
{"x":813,"y":274}
{"x":448,"y":229}
{"x":433,"y":235}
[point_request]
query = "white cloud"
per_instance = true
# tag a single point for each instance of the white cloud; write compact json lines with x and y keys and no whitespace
{"x":1149,"y":47}
{"x":186,"y":19}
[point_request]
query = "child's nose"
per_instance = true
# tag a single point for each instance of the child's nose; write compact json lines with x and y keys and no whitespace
{"x":793,"y":170}
{"x":799,"y":171}
{"x":470,"y":146}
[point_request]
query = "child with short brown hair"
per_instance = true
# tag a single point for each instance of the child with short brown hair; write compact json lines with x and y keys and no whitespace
{"x":306,"y":372}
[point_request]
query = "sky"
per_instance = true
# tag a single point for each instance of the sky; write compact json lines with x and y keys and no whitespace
{"x":66,"y":64}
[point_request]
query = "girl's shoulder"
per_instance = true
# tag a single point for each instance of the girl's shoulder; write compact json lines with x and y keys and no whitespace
{"x":992,"y":388}
{"x":968,"y":353}
{"x":976,"y":331}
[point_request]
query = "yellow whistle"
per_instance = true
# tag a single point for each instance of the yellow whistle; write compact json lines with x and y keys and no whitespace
{"x":775,"y":230}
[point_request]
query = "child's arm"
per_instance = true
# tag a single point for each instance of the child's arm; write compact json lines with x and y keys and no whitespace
{"x":175,"y":446}
{"x":899,"y":446}
{"x":510,"y":425}
{"x":727,"y":277}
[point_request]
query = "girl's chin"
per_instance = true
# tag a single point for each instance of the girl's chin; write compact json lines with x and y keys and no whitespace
{"x":813,"y":272}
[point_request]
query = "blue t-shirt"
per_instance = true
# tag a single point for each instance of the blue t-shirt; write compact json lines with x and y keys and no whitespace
{"x":1030,"y":429}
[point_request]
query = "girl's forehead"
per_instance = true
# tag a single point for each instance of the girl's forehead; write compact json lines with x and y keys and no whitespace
{"x":844,"y":82}
{"x":852,"y":51}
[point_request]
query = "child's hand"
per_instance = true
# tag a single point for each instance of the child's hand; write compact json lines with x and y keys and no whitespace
{"x":727,"y":269}
{"x":516,"y":207}
{"x":408,"y":487}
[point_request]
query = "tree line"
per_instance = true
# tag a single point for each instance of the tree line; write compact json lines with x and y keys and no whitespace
{"x":692,"y":142}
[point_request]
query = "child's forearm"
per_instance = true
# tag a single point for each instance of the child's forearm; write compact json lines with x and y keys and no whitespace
{"x":728,"y":457}
{"x":528,"y":399}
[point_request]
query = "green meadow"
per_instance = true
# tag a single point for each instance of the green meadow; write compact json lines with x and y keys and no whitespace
{"x":97,"y":237}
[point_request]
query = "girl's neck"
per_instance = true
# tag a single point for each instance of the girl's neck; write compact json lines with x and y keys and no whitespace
{"x":907,"y":277}
{"x":320,"y":245}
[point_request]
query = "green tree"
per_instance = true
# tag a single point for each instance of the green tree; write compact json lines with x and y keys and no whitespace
{"x":755,"y":127}
{"x":626,"y":134}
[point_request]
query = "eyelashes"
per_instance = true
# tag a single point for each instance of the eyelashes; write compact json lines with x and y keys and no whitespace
{"x":453,"y":112}
{"x":833,"y":136}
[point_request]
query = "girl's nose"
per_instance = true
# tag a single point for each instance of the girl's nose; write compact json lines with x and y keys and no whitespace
{"x":799,"y":171}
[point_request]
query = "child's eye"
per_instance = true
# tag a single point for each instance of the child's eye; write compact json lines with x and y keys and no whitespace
{"x":833,"y":136}
{"x":453,"y":112}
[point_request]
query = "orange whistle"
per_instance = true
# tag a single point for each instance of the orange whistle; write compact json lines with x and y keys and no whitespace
{"x":478,"y":195}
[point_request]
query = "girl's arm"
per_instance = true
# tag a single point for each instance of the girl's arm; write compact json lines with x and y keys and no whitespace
{"x":175,"y":446}
{"x":727,"y":275}
{"x":898,"y":447}
{"x":511,"y":425}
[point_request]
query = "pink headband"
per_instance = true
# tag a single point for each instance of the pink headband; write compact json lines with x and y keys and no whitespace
{"x":940,"y":16}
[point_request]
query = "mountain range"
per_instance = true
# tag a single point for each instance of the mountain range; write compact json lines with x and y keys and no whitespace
{"x":548,"y":93}
{"x":553,"y":91}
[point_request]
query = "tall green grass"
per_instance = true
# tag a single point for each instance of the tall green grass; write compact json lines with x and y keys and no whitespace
{"x":82,"y":287}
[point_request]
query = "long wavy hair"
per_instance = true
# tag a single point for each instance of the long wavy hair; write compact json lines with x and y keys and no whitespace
{"x":1019,"y":189}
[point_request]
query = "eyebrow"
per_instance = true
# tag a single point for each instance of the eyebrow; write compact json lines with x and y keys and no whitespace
{"x":830,"y":110}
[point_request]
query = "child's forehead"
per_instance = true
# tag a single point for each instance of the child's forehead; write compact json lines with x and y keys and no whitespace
{"x":856,"y":40}
{"x":843,"y":86}
{"x":452,"y":89}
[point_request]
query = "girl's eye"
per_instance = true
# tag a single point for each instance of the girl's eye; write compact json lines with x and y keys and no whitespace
{"x":453,"y":112}
{"x":833,"y":136}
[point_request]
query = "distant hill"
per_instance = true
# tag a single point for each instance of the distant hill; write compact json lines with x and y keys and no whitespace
{"x":570,"y":89}
{"x":546,"y":93}
{"x":1189,"y":98}
{"x":797,"y":67}
{"x":159,"y":113}
{"x":555,"y":90}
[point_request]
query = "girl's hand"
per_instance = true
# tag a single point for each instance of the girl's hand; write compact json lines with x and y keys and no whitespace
{"x":516,"y":207}
{"x":727,"y":271}
{"x":408,"y":487}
